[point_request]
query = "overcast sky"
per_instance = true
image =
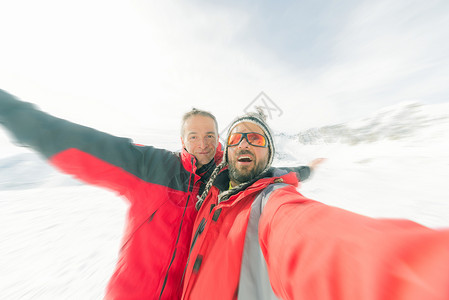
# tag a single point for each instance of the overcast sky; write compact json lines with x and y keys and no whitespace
{"x":123,"y":64}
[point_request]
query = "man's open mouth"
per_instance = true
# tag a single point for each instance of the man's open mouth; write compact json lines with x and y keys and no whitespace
{"x":244,"y":158}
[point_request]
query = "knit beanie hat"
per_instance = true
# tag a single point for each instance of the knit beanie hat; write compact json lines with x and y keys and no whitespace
{"x":259,"y":119}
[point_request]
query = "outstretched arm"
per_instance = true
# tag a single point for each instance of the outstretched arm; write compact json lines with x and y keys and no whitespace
{"x":315,"y":251}
{"x":93,"y":156}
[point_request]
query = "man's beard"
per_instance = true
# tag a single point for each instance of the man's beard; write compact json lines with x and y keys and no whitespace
{"x":244,"y":175}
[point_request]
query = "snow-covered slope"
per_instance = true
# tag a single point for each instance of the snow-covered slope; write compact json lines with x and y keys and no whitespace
{"x":394,"y":163}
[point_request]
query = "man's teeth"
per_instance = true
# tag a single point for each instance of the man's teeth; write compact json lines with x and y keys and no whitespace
{"x":245,"y":159}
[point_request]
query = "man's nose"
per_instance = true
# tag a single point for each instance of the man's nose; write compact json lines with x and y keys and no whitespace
{"x":203,"y":143}
{"x":243,"y":143}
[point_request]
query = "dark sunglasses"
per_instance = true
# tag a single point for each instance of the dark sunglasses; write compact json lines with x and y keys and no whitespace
{"x":253,"y":138}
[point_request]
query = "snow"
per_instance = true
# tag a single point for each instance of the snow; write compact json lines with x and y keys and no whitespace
{"x":58,"y":242}
{"x":60,"y":238}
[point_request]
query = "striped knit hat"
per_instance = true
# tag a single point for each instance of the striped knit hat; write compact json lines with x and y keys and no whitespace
{"x":259,"y":119}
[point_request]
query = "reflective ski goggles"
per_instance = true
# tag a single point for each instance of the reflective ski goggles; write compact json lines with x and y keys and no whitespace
{"x":253,"y":138}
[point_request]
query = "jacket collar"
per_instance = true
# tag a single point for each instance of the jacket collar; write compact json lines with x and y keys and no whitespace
{"x":189,"y":161}
{"x":273,"y":175}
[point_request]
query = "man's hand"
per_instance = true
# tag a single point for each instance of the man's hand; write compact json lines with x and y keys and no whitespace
{"x":315,"y":163}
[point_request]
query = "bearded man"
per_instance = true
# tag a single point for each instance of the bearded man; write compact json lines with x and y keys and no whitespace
{"x":257,"y":237}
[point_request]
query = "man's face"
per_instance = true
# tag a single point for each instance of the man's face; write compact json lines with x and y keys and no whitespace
{"x":200,"y":138}
{"x":246,"y":161}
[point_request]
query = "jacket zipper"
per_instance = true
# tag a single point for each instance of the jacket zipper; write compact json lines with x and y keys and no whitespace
{"x":198,"y":231}
{"x":179,"y":231}
{"x":131,"y":235}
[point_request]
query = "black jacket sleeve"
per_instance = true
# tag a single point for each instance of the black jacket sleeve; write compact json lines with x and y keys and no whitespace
{"x":302,"y":172}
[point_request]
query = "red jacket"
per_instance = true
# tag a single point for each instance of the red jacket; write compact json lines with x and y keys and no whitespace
{"x":161,"y":187}
{"x":310,"y":250}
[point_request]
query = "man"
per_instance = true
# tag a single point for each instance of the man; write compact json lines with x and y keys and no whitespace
{"x":257,"y":237}
{"x":161,"y":187}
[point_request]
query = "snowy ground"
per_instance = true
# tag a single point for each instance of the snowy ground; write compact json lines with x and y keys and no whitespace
{"x":59,"y":238}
